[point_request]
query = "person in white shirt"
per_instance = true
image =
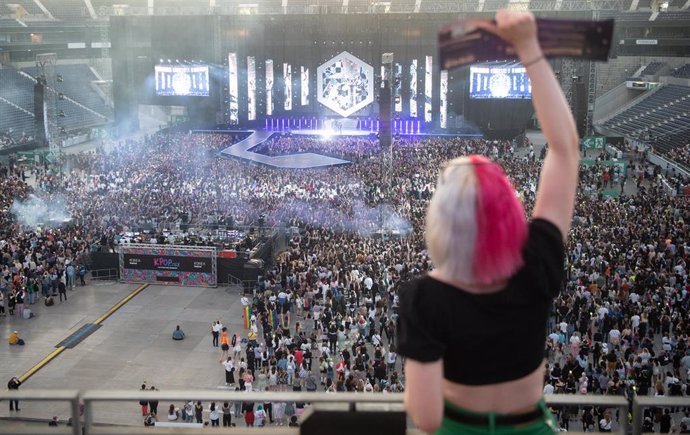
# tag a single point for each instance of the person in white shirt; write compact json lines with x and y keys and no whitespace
{"x":563,"y":326}
{"x":670,"y":379}
{"x":614,"y":336}
{"x":391,"y":357}
{"x":602,"y":311}
{"x":214,"y":415}
{"x":260,"y":416}
{"x":282,"y":298}
{"x":376,"y":339}
{"x":316,"y":312}
{"x":216,"y":327}
{"x":173,"y":414}
{"x":229,"y":371}
{"x":549,"y":388}
{"x":368,"y":283}
{"x":554,"y":337}
{"x":605,"y":423}
{"x":635,"y":323}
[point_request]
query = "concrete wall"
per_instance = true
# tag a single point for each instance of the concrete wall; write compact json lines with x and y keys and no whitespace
{"x":613,"y":100}
{"x":610,"y":74}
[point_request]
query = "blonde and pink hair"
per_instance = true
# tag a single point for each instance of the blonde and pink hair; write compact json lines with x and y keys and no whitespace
{"x":476,"y":225}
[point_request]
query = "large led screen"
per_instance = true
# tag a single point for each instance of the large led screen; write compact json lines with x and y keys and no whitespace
{"x":413,"y":88}
{"x":444,"y":99}
{"x":345,"y":84}
{"x":269,"y":87}
{"x":428,"y":87}
{"x":182,"y":80}
{"x":251,"y":88}
{"x":499,"y":81}
{"x":304,"y":85}
{"x":233,"y":88}
{"x":287,"y":79}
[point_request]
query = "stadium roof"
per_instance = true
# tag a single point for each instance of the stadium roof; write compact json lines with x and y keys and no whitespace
{"x":70,"y":10}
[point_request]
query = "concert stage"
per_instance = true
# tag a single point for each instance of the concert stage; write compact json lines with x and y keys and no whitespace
{"x":243,"y":148}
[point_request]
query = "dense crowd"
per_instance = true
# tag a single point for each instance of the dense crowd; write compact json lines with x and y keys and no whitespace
{"x":354,"y":148}
{"x":324,"y":317}
{"x":680,"y":154}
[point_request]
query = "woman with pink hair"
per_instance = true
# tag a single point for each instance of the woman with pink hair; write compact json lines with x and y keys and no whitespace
{"x":472,"y":331}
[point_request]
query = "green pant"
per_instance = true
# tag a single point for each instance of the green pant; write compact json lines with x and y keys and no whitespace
{"x":544,"y":426}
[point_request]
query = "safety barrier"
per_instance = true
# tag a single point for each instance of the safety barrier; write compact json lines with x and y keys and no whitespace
{"x":105,"y":274}
{"x":352,"y":403}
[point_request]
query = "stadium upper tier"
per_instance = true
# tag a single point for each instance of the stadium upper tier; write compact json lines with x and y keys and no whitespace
{"x":71,"y":10}
{"x":75,"y":76}
{"x":660,"y":117}
{"x":652,"y":68}
{"x":15,"y":122}
{"x":82,"y":106}
{"x":682,"y":72}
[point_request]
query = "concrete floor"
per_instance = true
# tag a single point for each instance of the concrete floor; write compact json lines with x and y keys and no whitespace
{"x":132,"y":346}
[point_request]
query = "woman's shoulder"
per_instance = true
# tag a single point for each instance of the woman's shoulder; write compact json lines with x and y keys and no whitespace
{"x":426,"y":290}
{"x":420,"y":284}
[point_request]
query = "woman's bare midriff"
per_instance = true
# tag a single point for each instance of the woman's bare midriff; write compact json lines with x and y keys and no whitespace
{"x":513,"y":397}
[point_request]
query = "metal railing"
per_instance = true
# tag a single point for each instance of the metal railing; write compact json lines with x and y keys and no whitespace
{"x":71,"y":396}
{"x":248,"y":285}
{"x":348,"y":402}
{"x":640,"y":403}
{"x":105,"y":274}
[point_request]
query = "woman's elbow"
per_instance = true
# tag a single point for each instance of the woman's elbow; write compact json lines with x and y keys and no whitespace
{"x":427,"y":422}
{"x":426,"y":418}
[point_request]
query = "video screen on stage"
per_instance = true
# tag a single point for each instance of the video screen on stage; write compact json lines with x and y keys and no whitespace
{"x":500,"y":80}
{"x":182,"y":80}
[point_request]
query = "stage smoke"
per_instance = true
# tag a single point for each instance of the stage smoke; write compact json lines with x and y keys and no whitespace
{"x":37,"y":212}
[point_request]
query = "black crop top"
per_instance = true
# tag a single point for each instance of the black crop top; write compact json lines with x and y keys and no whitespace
{"x":486,"y":338}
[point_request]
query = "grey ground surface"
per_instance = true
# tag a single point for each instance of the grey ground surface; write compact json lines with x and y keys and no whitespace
{"x":132,"y":346}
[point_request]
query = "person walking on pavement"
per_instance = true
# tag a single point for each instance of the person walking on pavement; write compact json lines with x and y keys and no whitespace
{"x":14,"y":384}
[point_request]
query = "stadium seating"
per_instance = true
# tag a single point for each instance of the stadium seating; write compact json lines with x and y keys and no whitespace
{"x":17,"y":89}
{"x":682,"y":72}
{"x":359,"y":6}
{"x":662,"y":117}
{"x":271,"y":7}
{"x":334,"y":6}
{"x":28,"y":5}
{"x":77,"y":86}
{"x":5,"y":23}
{"x":15,"y":122}
{"x":652,"y":68}
{"x":69,"y":10}
{"x":299,"y":6}
{"x":109,"y":3}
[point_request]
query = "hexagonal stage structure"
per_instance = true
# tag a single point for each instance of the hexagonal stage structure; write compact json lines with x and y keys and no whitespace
{"x":345,"y":84}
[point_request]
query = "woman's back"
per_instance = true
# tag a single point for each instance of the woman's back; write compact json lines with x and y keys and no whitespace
{"x":473,"y":331}
{"x":485,"y":338}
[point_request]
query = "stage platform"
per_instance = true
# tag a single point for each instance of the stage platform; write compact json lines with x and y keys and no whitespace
{"x":332,"y":133}
{"x":243,"y":148}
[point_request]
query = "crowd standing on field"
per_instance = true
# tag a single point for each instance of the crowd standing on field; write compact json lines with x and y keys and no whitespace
{"x":324,"y":315}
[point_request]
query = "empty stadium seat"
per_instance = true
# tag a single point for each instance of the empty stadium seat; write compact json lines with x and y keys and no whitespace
{"x":77,"y":86}
{"x":652,"y":68}
{"x":18,"y":90}
{"x":15,"y":122}
{"x":661,"y":117}
{"x":69,"y":10}
{"x":682,"y":72}
{"x":29,"y":6}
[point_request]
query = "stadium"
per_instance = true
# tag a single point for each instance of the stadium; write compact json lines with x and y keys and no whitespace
{"x":324,"y":216}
